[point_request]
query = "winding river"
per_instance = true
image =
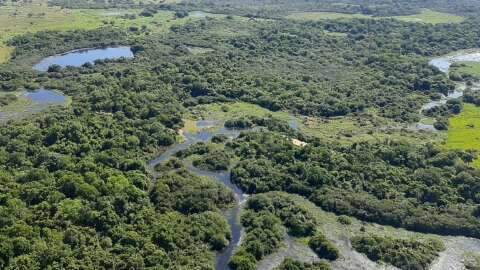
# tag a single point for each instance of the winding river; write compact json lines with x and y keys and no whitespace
{"x":208,"y":129}
{"x":443,"y":64}
{"x":456,"y":246}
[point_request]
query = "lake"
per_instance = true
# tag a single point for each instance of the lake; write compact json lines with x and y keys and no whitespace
{"x":77,"y":58}
{"x":46,"y":97}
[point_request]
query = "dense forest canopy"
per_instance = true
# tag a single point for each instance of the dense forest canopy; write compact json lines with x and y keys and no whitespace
{"x":77,"y":190}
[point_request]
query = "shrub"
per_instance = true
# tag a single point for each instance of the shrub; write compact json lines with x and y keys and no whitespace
{"x":323,"y":247}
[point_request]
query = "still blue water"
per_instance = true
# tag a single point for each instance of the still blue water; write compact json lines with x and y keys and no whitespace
{"x":79,"y":57}
{"x":46,"y":97}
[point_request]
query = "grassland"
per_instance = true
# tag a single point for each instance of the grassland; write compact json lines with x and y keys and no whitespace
{"x":433,"y":17}
{"x":21,"y":18}
{"x":17,"y":20}
{"x":426,"y":16}
{"x":464,"y":131}
{"x":5,"y":52}
{"x":315,"y":16}
{"x":469,"y":68}
{"x":225,"y":111}
{"x":344,"y":130}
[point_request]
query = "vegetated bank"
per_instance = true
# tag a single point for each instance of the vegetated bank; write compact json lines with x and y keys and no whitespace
{"x":77,"y":189}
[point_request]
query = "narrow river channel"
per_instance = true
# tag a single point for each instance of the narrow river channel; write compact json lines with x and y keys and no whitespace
{"x":208,"y":129}
{"x":443,"y":64}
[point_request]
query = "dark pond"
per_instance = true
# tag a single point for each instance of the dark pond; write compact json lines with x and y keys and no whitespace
{"x":79,"y":57}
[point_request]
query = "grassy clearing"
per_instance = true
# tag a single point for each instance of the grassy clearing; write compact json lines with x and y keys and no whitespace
{"x":464,"y":131}
{"x":469,"y":68}
{"x":315,"y":16}
{"x":365,"y":127}
{"x":5,"y":53}
{"x":430,"y":16}
{"x":344,"y":130}
{"x":199,"y":50}
{"x":426,"y":16}
{"x":27,"y":18}
{"x":336,"y":34}
{"x":222,"y":112}
{"x":190,"y":126}
{"x":21,"y":18}
{"x":18,"y":19}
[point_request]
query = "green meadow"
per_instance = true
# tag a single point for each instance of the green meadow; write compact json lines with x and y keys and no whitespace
{"x":464,"y":131}
{"x":28,"y":18}
{"x":433,"y":17}
{"x":426,"y":16}
{"x":21,"y":18}
{"x":468,"y":68}
{"x":315,"y":16}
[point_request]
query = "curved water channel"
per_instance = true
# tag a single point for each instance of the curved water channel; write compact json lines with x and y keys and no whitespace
{"x":443,"y":64}
{"x":208,"y":129}
{"x":450,"y":259}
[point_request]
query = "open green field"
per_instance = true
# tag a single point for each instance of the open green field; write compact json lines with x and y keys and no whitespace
{"x":315,"y":16}
{"x":469,"y":68}
{"x":464,"y":131}
{"x":426,"y":16}
{"x":5,"y":53}
{"x":227,"y":111}
{"x":433,"y":17}
{"x":18,"y":19}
